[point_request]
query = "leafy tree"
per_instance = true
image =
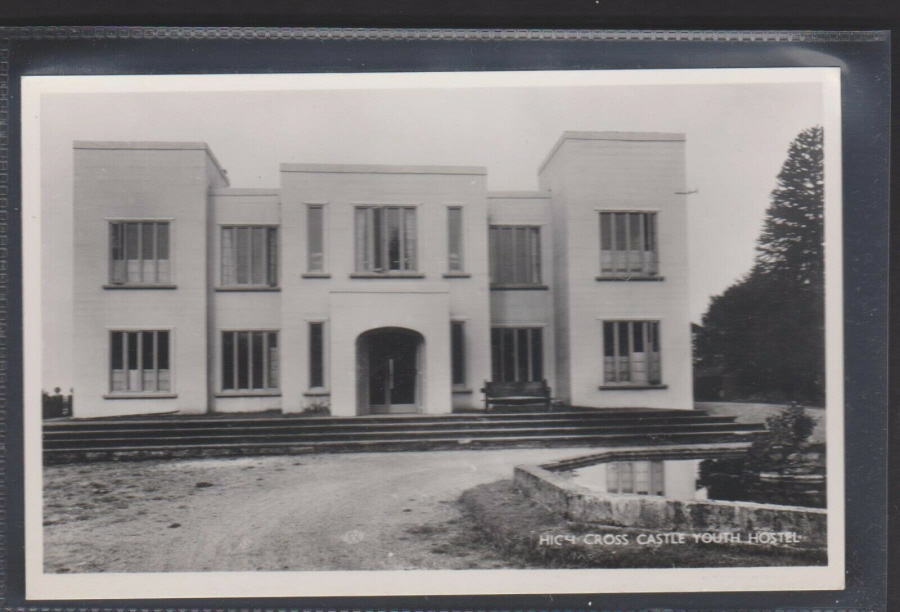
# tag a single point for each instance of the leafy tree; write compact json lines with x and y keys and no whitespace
{"x":766,"y":333}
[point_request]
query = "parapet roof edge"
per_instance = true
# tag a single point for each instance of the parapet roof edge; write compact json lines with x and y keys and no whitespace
{"x":620,"y":136}
{"x":153,"y":146}
{"x":244,"y":191}
{"x":518,"y":195}
{"x":382,"y":169}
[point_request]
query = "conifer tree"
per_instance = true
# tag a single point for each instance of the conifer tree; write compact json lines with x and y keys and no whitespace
{"x":766,"y":333}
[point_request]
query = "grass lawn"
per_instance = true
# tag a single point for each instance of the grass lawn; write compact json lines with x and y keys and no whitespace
{"x":513,"y":524}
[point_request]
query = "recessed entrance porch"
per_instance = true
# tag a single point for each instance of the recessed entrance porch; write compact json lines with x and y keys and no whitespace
{"x":389,"y":371}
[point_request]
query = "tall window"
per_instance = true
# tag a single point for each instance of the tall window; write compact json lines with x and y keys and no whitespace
{"x":316,"y":355}
{"x":139,"y":361}
{"x":385,"y":239}
{"x":458,"y":352}
{"x":455,"y":239}
{"x":315,"y":238}
{"x":250,"y":361}
{"x":517,"y":354}
{"x":631,"y":352}
{"x":628,"y":243}
{"x":139,"y":253}
{"x":636,"y":477}
{"x":515,"y":255}
{"x":250,"y":256}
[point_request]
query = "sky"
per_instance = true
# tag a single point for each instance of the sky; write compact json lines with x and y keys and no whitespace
{"x":737,"y":137}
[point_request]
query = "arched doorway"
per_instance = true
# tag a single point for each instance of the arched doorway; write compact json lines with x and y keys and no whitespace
{"x":389,"y":371}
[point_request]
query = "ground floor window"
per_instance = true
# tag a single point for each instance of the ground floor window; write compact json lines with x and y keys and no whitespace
{"x":636,"y":477}
{"x":139,"y":361}
{"x":631,"y":353}
{"x":517,"y":354}
{"x":316,"y":355}
{"x":250,"y":360}
{"x":458,"y":353}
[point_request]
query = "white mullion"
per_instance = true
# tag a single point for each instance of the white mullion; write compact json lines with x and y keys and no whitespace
{"x":613,"y":234}
{"x":235,"y":360}
{"x":140,"y":357}
{"x":265,"y":338}
{"x":528,"y":347}
{"x":156,"y":252}
{"x":156,"y":359}
{"x":643,"y":239}
{"x":616,"y":363}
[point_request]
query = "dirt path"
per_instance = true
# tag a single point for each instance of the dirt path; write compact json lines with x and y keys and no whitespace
{"x":322,"y":512}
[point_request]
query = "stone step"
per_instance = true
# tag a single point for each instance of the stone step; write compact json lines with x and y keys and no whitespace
{"x":421,"y":444}
{"x":293,"y":428}
{"x":401,"y":435}
{"x":175,"y":422}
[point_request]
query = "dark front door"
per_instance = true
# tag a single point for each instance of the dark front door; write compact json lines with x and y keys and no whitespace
{"x":393,"y":372}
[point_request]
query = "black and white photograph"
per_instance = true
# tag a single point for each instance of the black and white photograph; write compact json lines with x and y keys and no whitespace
{"x":425,"y":333}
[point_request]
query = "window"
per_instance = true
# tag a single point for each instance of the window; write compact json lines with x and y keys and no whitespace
{"x":628,"y":243}
{"x":637,"y":477}
{"x":250,"y":361}
{"x":458,"y":352}
{"x":631,"y":353}
{"x":139,"y":361}
{"x":250,"y":256}
{"x":515,"y":255}
{"x":517,"y":354}
{"x":385,"y":239}
{"x":315,"y":238}
{"x":316,"y":355}
{"x":454,"y":239}
{"x":139,"y":253}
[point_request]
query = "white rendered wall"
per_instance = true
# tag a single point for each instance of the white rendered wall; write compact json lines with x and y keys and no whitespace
{"x":589,"y":172}
{"x":143,"y":182}
{"x":351,"y":306}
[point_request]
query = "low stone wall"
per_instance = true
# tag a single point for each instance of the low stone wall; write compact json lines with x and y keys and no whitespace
{"x":579,"y":504}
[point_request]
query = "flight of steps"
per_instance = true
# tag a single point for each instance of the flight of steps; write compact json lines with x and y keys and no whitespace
{"x":182,"y":436}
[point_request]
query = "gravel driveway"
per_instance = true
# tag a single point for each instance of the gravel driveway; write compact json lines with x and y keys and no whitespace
{"x":314,"y":512}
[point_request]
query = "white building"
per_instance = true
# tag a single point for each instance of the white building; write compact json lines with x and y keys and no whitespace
{"x":379,"y":288}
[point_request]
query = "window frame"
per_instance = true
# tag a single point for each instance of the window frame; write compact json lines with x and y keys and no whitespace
{"x":111,"y":283}
{"x":495,"y":259}
{"x":463,"y":380}
{"x":460,"y":262}
{"x":384,"y":248}
{"x":650,"y":268}
{"x":650,"y":367}
{"x":221,"y":268}
{"x":251,"y":391}
{"x":497,"y":365}
{"x":129,"y":393}
{"x":324,"y":356}
{"x":322,"y":271}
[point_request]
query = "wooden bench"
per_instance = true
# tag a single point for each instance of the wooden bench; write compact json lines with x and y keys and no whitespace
{"x":516,"y":394}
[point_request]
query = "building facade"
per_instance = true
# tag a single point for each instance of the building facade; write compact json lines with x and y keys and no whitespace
{"x":379,"y":289}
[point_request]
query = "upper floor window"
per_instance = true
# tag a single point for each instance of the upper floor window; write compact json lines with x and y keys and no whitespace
{"x":631,"y":354}
{"x":515,"y":255}
{"x":250,"y":256}
{"x":455,"y":239}
{"x":628,"y":243}
{"x":139,"y":253}
{"x":386,"y":239}
{"x":139,"y":361}
{"x":315,"y":238}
